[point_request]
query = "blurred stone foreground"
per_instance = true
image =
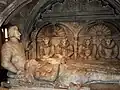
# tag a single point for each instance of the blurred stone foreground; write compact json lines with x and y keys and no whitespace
{"x":23,"y":88}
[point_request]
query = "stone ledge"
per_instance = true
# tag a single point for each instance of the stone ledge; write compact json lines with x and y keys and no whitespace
{"x":36,"y":89}
{"x":84,"y":88}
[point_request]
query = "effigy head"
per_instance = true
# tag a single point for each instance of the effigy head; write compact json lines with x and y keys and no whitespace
{"x":14,"y":32}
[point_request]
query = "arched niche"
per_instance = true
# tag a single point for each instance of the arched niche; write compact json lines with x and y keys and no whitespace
{"x":55,"y":34}
{"x":100,"y":41}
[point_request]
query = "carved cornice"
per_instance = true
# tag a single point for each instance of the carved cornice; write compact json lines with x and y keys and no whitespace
{"x":79,"y":16}
{"x":44,"y":12}
{"x":38,"y":14}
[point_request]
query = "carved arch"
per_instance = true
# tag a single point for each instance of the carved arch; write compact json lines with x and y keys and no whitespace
{"x":11,"y":10}
{"x":47,"y":30}
{"x":36,"y":13}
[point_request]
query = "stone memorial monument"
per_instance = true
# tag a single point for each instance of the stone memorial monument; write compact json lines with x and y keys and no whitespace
{"x":54,"y":64}
{"x":32,"y":73}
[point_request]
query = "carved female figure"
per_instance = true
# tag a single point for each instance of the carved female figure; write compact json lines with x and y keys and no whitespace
{"x":87,"y":50}
{"x":46,"y":50}
{"x":67,"y":49}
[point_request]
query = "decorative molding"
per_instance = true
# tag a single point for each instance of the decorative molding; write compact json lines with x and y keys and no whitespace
{"x":37,"y":11}
{"x":9,"y":10}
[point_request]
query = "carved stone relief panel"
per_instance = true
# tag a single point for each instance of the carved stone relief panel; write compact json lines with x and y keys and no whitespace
{"x":97,"y":43}
{"x":77,"y":48}
{"x":72,"y":42}
{"x":55,"y":42}
{"x":103,"y":38}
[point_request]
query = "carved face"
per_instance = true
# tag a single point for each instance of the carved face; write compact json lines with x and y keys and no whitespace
{"x":17,"y":34}
{"x":108,"y":41}
{"x":64,"y":41}
{"x":46,"y":40}
{"x":14,"y":32}
{"x":87,"y":42}
{"x":88,"y":52}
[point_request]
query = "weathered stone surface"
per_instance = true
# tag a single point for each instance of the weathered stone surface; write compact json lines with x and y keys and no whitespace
{"x":23,"y":88}
{"x":105,"y":87}
{"x":3,"y":88}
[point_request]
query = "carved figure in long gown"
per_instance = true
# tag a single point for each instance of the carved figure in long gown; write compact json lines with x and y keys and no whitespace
{"x":13,"y":55}
{"x":87,"y":50}
{"x":47,"y":67}
{"x":47,"y":48}
{"x":108,"y":49}
{"x":66,"y":49}
{"x":47,"y":51}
